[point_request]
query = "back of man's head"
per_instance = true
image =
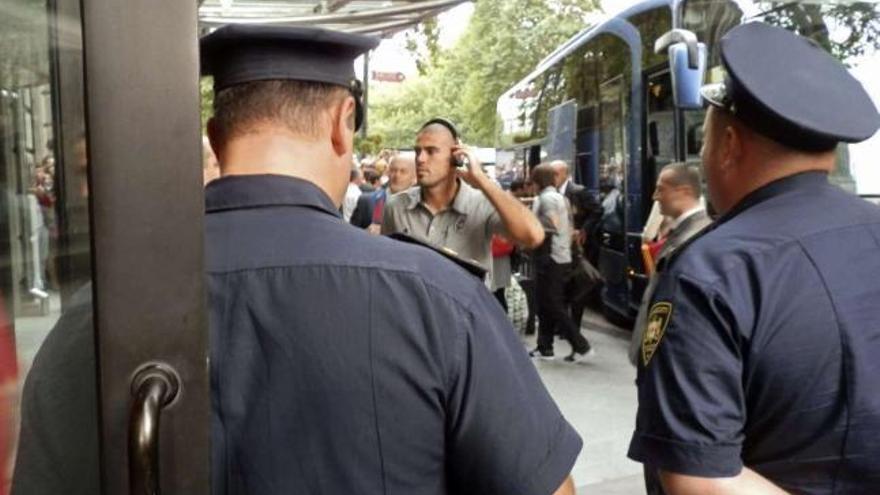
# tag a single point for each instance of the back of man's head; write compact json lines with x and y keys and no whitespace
{"x":355,"y":177}
{"x":372,"y":177}
{"x":544,"y":175}
{"x":560,"y":167}
{"x":517,"y":186}
{"x":299,"y":107}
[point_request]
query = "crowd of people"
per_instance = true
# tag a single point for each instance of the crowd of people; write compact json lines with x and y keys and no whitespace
{"x":540,"y":226}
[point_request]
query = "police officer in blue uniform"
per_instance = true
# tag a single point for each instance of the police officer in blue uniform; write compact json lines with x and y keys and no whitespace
{"x":760,"y":366}
{"x":344,"y":363}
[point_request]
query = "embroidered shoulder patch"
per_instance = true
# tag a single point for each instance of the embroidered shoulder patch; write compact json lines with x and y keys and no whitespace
{"x":658,"y":318}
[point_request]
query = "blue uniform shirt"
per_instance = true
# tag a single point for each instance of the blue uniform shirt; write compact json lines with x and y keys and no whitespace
{"x":344,"y":363}
{"x":763,"y":345}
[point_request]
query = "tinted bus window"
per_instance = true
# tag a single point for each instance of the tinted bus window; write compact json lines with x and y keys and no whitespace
{"x":652,"y":25}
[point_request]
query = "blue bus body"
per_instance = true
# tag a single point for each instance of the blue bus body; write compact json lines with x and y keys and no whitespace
{"x":603,"y":102}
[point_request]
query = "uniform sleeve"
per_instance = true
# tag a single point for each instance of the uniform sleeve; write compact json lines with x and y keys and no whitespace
{"x":691,"y":403}
{"x":505,"y":433}
{"x":58,"y":442}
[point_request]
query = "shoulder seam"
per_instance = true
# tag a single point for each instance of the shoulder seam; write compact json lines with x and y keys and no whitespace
{"x":466,"y":305}
{"x":843,"y":357}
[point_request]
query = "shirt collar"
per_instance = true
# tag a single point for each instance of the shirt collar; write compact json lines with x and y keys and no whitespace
{"x":776,"y":188}
{"x":415,"y":196}
{"x":684,"y":216}
{"x":564,"y":186}
{"x":236,"y":192}
{"x":460,"y":203}
{"x":549,"y":189}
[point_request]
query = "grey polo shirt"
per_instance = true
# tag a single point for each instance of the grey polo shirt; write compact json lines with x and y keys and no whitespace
{"x":551,"y":203}
{"x":466,"y":227}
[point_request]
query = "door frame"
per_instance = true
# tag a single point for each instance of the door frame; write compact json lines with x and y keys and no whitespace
{"x":147,"y":202}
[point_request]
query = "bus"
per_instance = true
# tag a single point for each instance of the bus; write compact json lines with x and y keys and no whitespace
{"x":604,"y":101}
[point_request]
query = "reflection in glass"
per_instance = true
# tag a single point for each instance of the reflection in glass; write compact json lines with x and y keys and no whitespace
{"x":46,"y":350}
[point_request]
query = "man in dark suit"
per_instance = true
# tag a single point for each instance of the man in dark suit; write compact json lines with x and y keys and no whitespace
{"x":585,"y":212}
{"x":678,"y":194}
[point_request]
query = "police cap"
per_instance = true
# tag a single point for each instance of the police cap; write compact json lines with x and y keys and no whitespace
{"x":241,"y":53}
{"x":787,"y":88}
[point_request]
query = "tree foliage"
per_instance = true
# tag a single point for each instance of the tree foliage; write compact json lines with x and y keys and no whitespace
{"x":423,"y":42}
{"x":206,"y":91}
{"x":503,"y":42}
{"x":368,"y":146}
{"x":854,"y":24}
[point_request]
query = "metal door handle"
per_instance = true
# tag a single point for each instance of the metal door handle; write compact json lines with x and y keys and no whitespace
{"x":154,"y":386}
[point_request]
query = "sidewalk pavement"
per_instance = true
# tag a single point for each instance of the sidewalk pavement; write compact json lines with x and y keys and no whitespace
{"x":598,"y":397}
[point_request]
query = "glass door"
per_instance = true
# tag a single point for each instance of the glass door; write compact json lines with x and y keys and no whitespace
{"x":103,"y":341}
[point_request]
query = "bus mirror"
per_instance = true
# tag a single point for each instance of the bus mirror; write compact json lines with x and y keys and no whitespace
{"x":687,"y":63}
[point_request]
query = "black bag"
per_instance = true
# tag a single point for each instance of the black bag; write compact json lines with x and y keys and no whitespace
{"x":582,"y":280}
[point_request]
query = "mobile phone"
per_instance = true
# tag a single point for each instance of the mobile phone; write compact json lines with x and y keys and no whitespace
{"x":461,"y":162}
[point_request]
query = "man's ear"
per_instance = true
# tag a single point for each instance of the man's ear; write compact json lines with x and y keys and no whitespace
{"x":214,"y":139}
{"x":342,"y":126}
{"x":732,"y":149}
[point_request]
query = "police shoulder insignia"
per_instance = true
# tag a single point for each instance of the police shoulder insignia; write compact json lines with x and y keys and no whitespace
{"x":658,"y":318}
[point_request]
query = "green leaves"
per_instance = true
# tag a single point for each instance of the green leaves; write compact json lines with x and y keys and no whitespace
{"x":504,"y":41}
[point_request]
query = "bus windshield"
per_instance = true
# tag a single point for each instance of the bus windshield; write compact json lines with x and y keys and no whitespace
{"x":848,"y":30}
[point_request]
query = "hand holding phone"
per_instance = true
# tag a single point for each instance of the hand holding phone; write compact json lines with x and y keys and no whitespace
{"x":461,"y":158}
{"x":469,"y":168}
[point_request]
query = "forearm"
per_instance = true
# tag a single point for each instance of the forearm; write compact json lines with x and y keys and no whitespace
{"x":522,"y":225}
{"x":747,"y":482}
{"x":567,"y":487}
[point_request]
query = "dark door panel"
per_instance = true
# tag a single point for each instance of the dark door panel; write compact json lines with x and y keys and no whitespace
{"x":142,"y":101}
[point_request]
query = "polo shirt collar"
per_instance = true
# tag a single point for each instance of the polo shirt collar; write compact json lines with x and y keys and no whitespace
{"x":460,"y":203}
{"x":237,"y":192}
{"x":415,"y":196}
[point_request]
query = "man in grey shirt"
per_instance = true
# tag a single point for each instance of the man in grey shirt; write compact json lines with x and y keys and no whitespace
{"x":457,"y":208}
{"x":552,"y":267}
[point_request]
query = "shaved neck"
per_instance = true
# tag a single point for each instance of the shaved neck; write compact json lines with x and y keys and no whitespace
{"x":274,"y":149}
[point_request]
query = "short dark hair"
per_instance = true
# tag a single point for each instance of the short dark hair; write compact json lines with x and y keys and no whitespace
{"x":298,"y":105}
{"x":371,"y":176}
{"x":543,"y":175}
{"x":683,"y":174}
{"x":517,"y":184}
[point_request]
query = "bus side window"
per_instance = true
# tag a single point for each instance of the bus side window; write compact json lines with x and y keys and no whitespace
{"x":694,"y":139}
